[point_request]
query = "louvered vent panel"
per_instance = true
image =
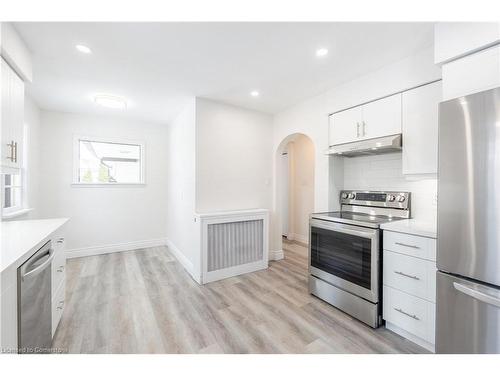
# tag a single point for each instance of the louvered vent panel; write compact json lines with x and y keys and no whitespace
{"x":234,"y":244}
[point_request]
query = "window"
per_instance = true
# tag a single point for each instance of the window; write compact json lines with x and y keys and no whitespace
{"x":14,"y":182}
{"x":108,"y":162}
{"x":12,"y":190}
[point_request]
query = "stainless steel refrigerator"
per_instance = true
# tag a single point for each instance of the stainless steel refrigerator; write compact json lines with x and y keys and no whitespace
{"x":468,"y":254}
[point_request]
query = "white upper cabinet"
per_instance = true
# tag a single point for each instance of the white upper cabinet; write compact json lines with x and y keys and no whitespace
{"x":382,"y":117}
{"x":12,"y":117}
{"x":473,"y":73}
{"x":372,"y":120}
{"x":345,"y":126}
{"x":420,"y":129}
{"x":15,"y":52}
{"x":453,"y":40}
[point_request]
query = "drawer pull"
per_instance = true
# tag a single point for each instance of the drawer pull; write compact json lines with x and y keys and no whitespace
{"x":406,"y":245}
{"x":60,"y":269}
{"x":407,"y":314}
{"x":406,"y":275}
{"x":61,"y":305}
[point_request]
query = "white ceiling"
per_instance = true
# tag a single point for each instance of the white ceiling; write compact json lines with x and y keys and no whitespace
{"x":157,"y":66}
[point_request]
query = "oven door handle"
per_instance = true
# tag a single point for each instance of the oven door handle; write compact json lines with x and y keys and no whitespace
{"x":348,"y":229}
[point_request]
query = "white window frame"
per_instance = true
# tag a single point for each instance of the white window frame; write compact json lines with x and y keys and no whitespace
{"x":76,"y":160}
{"x":13,"y":210}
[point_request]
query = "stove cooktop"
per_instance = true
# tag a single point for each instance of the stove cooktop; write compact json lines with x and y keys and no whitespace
{"x":355,"y":218}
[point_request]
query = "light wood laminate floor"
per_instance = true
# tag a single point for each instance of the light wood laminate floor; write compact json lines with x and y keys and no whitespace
{"x":144,"y":302}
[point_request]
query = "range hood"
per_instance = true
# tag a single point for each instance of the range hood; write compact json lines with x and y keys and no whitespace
{"x":382,"y":145}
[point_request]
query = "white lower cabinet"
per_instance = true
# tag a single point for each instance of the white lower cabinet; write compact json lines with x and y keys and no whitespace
{"x":8,"y":313}
{"x":412,"y":314}
{"x":58,"y":302}
{"x":409,"y":292}
{"x":413,"y":275}
{"x":58,"y":280}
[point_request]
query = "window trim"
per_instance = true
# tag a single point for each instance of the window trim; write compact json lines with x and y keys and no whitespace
{"x":76,"y":161}
{"x":23,"y":171}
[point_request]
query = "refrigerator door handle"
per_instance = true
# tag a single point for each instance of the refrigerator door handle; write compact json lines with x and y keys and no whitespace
{"x":483,"y":297}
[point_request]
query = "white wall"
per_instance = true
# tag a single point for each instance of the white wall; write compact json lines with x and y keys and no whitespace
{"x":181,"y":184}
{"x":233,"y":154}
{"x":102,"y":216}
{"x":301,"y":187}
{"x":311,"y":118}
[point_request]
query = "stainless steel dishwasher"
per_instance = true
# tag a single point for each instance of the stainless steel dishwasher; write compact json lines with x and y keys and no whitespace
{"x":34,"y":302}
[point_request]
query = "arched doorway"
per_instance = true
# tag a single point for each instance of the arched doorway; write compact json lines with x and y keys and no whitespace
{"x":294,"y":195}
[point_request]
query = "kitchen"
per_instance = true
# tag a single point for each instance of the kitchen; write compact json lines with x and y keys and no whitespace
{"x":131,"y":226}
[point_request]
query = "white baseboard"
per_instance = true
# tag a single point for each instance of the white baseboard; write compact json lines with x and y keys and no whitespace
{"x":107,"y":249}
{"x":185,"y":262}
{"x":298,"y":237}
{"x":407,"y":335}
{"x":276,"y":255}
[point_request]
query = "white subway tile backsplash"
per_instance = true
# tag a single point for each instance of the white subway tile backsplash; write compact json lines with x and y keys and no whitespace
{"x":384,"y":172}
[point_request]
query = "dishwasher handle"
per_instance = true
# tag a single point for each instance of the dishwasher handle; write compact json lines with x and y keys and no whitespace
{"x":45,"y":251}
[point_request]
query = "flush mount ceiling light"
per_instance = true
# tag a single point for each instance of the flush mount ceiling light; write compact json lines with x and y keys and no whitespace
{"x":321,"y":52}
{"x":111,"y":101}
{"x":83,"y":49}
{"x":254,"y":93}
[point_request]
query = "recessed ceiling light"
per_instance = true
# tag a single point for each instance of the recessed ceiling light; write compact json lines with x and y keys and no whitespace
{"x":254,"y":93}
{"x":83,"y":49}
{"x":111,"y":101}
{"x":321,"y":52}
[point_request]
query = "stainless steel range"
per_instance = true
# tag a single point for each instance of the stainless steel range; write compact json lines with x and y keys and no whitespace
{"x":345,"y":254}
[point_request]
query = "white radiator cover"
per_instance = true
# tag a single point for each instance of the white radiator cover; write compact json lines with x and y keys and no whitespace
{"x":233,"y":243}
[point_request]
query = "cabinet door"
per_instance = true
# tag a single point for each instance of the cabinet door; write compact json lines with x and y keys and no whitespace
{"x":345,"y":126}
{"x":382,"y":117}
{"x":17,"y":94}
{"x":6,"y":116}
{"x":420,"y":129}
{"x":457,"y":39}
{"x":12,"y":117}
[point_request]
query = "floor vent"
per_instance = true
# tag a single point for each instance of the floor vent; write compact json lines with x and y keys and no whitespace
{"x":234,"y":243}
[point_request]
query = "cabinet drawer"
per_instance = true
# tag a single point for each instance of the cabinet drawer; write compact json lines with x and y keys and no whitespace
{"x":416,"y":246}
{"x":411,"y":275}
{"x":58,"y":301}
{"x":413,"y":314}
{"x":58,"y":264}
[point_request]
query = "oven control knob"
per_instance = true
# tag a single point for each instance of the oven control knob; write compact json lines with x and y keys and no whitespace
{"x":351,"y":196}
{"x":344,"y":195}
{"x":391,"y":198}
{"x":401,"y":198}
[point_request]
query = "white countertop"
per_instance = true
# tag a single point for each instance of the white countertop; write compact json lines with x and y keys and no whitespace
{"x":21,"y":239}
{"x":412,"y":226}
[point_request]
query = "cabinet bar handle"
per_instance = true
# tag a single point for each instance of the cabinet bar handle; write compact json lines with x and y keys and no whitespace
{"x":15,"y":152}
{"x":357,"y":129}
{"x":406,"y":245}
{"x":413,"y":316}
{"x":11,"y":145}
{"x":364,"y":128}
{"x":406,"y":275}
